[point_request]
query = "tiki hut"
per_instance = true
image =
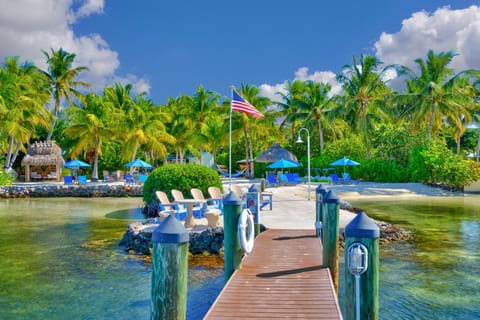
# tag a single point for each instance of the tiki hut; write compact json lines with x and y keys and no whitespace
{"x":43,"y":154}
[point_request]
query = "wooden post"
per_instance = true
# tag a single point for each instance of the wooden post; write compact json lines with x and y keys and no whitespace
{"x":330,"y":235}
{"x":320,"y":192}
{"x":362,"y":230}
{"x":232,"y":254}
{"x":169,"y":270}
{"x":253,"y":204}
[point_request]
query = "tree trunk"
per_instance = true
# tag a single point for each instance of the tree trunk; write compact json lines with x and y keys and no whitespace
{"x":250,"y":163}
{"x":95,"y":161}
{"x":459,"y":138}
{"x":320,"y":134}
{"x":245,"y":135}
{"x":8,"y":161}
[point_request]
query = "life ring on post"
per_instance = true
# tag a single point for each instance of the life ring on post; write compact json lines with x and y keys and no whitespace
{"x":246,"y":231}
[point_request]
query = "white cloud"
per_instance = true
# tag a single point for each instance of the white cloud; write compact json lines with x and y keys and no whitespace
{"x":270,"y":91}
{"x":29,"y":26}
{"x":443,"y":30}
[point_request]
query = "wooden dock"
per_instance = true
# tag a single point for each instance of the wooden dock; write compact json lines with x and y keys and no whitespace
{"x":282,"y":277}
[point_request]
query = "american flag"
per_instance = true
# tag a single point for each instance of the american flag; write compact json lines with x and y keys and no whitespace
{"x":242,"y":105}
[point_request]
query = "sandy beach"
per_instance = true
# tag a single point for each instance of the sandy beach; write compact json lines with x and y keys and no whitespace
{"x":292,"y":210}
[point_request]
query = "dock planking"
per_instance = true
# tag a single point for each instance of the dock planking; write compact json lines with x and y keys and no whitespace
{"x":282,"y":277}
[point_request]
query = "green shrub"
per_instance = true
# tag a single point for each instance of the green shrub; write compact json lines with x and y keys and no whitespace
{"x":182,"y":177}
{"x":6,"y":179}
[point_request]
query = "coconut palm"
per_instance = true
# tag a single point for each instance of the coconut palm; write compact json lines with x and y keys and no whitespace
{"x":288,"y":105}
{"x":314,"y":102}
{"x":251,"y":126}
{"x":62,"y":77}
{"x":437,"y":93}
{"x":23,"y":94}
{"x":89,"y":125}
{"x":363,"y":103}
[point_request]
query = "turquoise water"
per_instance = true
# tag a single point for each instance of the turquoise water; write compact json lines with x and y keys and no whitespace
{"x":61,"y":259}
{"x":436,"y":275}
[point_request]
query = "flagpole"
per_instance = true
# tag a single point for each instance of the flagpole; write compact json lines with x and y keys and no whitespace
{"x":230,"y":147}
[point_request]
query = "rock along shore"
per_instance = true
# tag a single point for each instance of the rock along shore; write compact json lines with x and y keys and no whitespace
{"x":88,"y":190}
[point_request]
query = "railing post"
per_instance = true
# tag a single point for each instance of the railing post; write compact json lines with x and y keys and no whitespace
{"x":330,"y":235}
{"x":253,"y":204}
{"x":169,"y":270}
{"x":361,"y":268}
{"x":320,"y":192}
{"x":232,"y":254}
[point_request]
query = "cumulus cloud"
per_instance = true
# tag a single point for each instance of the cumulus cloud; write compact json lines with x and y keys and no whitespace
{"x":29,"y":26}
{"x":271,"y":91}
{"x":443,"y":30}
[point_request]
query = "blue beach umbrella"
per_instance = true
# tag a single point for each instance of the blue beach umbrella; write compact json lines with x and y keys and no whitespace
{"x":139,"y":163}
{"x":282,"y":164}
{"x":74,"y":165}
{"x":344,"y":162}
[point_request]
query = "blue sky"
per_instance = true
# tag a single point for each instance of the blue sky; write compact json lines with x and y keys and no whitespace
{"x":171,"y":47}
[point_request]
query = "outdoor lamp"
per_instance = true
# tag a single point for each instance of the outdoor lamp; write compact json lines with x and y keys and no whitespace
{"x":299,"y":140}
{"x":357,"y":258}
{"x":357,"y":264}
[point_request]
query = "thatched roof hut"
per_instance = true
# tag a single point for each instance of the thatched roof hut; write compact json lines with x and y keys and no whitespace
{"x":43,"y":153}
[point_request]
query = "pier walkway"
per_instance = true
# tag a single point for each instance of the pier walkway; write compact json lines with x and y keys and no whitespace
{"x":282,"y":277}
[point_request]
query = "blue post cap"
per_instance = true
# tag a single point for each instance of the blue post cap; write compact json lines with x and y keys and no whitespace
{"x":170,"y":231}
{"x":231,"y":199}
{"x":362,"y":227}
{"x":253,"y":188}
{"x":321,"y":189}
{"x":331,"y":197}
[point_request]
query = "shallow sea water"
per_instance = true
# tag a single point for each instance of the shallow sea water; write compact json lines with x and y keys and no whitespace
{"x":61,"y":259}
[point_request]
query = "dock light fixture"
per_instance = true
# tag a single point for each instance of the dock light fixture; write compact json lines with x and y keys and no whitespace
{"x":357,"y":265}
{"x":299,"y":140}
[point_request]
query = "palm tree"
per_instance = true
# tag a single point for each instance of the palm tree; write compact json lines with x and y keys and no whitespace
{"x":250,"y":126}
{"x":22,"y":96}
{"x":89,"y":125}
{"x":146,"y":128}
{"x":363,"y":103}
{"x":289,"y":107}
{"x":62,"y":79}
{"x":315,"y":102}
{"x":437,"y":93}
{"x":213,"y":134}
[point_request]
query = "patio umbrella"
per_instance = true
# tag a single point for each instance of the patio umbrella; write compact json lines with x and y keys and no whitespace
{"x":282,"y":164}
{"x":344,"y":162}
{"x":139,"y":163}
{"x":276,"y":153}
{"x":75,"y":165}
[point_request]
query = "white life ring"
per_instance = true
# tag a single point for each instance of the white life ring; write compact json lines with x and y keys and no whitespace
{"x":246,"y":231}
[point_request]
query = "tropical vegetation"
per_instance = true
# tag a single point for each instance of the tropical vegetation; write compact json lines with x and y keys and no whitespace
{"x":419,"y":133}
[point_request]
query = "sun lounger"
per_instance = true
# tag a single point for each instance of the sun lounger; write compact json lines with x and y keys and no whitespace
{"x":347,"y":179}
{"x":294,"y":178}
{"x":68,"y":179}
{"x":272,"y":181}
{"x":335,"y":179}
{"x":82,"y":179}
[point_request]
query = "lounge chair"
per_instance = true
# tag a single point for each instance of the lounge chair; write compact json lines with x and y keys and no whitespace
{"x":129,"y":178}
{"x":335,"y":179}
{"x":82,"y":179}
{"x":68,"y":180}
{"x":294,"y":178}
{"x":197,"y":209}
{"x":284,"y":179}
{"x":34,"y":176}
{"x":347,"y":179}
{"x":167,"y":206}
{"x":234,"y":175}
{"x":272,"y":181}
{"x":107,"y":177}
{"x":142,"y":178}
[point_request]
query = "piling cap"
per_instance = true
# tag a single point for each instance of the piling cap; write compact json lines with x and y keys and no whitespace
{"x":321,"y":189}
{"x":362,"y":227}
{"x":331,"y":197}
{"x":253,"y":188}
{"x":231,"y":199}
{"x":170,"y":231}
